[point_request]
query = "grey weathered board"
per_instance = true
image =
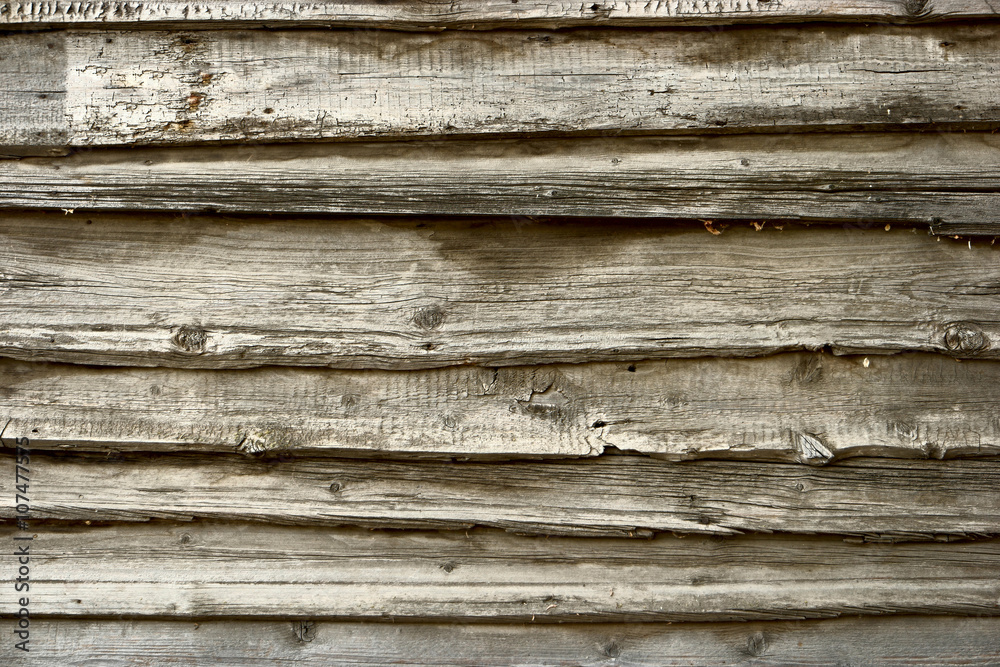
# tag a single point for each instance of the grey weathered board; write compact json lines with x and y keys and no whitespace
{"x":203,"y":331}
{"x":221,"y":292}
{"x":888,"y":641}
{"x":232,"y":570}
{"x":798,"y":407}
{"x":478,"y":14}
{"x":98,"y":87}
{"x":948,"y":180}
{"x":806,"y":408}
{"x":616,"y":495}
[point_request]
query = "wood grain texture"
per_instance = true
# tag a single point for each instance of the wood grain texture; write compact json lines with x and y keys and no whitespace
{"x":234,"y":570}
{"x":158,"y":87}
{"x":476,"y":14}
{"x":228,"y":293}
{"x":944,"y":180}
{"x":807,"y":408}
{"x":612,"y":496}
{"x":894,"y":641}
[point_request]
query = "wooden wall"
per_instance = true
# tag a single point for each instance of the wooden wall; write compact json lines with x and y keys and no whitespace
{"x":357,"y":333}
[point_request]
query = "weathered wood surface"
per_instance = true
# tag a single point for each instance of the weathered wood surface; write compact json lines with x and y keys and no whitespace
{"x":612,"y":496}
{"x":153,"y":87}
{"x":940,"y":179}
{"x":233,"y":570}
{"x":899,"y":641}
{"x":228,"y":293}
{"x":808,"y":408}
{"x":477,"y":14}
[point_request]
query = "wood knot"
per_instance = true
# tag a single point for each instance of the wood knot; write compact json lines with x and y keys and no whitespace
{"x":429,"y":318}
{"x":305,"y":631}
{"x":612,"y":648}
{"x":756,"y":644}
{"x":916,"y":9}
{"x":191,"y":339}
{"x":810,"y":369}
{"x":965,"y":338}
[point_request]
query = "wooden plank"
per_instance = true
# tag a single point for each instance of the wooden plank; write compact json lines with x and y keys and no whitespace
{"x":160,"y":87}
{"x":809,"y":408}
{"x":234,"y":570}
{"x":895,"y":641}
{"x":611,"y":496}
{"x":225,"y":293}
{"x":475,"y":14}
{"x":941,"y":179}
{"x":32,"y":94}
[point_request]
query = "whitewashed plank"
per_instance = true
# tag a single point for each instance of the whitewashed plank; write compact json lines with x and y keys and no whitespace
{"x":892,"y":641}
{"x":235,"y":570}
{"x":610,"y":496}
{"x":224,"y":293}
{"x":476,"y":14}
{"x":944,"y":180}
{"x":159,"y":87}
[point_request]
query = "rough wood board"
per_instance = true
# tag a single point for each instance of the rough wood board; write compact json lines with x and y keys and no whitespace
{"x":477,"y":14}
{"x":807,"y":408}
{"x":939,"y":179}
{"x":32,"y":93}
{"x":234,"y":570}
{"x":612,"y":496}
{"x":157,"y":87}
{"x":227,"y":293}
{"x":890,"y":641}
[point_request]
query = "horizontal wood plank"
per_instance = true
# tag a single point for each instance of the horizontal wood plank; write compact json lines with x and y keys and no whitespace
{"x":235,"y":570}
{"x":611,"y":496}
{"x":894,"y":641}
{"x":225,"y":293}
{"x":808,"y":408}
{"x":166,"y":87}
{"x":475,"y":14}
{"x":949,"y":181}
